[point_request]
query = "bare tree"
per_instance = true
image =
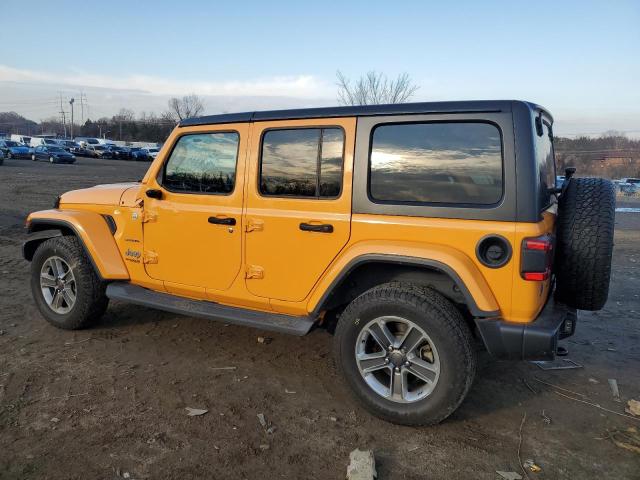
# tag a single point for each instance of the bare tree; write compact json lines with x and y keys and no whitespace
{"x":375,"y":88}
{"x":185,"y":107}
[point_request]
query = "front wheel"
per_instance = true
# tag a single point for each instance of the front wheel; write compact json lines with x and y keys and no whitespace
{"x":9,"y":156}
{"x":64,"y":284}
{"x":406,"y":352}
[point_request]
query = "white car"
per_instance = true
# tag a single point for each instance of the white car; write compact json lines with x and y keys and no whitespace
{"x":152,"y":151}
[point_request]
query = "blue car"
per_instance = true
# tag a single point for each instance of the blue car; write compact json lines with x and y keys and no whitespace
{"x":139,"y":154}
{"x":53,"y":154}
{"x":13,"y":149}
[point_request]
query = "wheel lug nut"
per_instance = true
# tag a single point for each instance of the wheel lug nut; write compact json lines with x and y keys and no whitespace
{"x":397,"y":369}
{"x":406,"y":364}
{"x":390,"y":348}
{"x":386,"y":360}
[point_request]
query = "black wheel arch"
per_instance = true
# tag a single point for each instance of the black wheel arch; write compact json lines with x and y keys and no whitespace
{"x":368,"y":271}
{"x":41,"y":230}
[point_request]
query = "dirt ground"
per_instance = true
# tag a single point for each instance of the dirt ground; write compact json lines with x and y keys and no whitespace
{"x":109,"y":402}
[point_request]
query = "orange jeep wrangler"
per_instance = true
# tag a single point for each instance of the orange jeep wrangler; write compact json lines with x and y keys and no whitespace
{"x":410,"y":230}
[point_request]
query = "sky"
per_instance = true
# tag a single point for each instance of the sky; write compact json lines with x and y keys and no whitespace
{"x":580,"y":59}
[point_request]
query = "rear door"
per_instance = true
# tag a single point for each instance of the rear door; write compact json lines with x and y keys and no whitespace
{"x":298,"y":208}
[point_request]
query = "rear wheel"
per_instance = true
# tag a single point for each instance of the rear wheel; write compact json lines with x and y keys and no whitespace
{"x":406,"y":353}
{"x":64,"y":284}
{"x":9,"y":156}
{"x":50,"y":159}
{"x":33,"y":157}
{"x":586,"y":217}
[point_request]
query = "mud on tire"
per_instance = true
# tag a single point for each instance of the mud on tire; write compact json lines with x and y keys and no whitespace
{"x":584,"y":243}
{"x":90,"y":299}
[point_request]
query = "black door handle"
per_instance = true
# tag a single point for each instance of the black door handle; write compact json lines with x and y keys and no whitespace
{"x":154,"y":193}
{"x":322,"y":228}
{"x":222,"y":220}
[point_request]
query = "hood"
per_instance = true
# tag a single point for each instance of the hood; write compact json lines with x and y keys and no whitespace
{"x":100,"y":194}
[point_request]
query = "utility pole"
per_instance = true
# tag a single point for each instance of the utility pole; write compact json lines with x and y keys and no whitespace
{"x":71,"y":103}
{"x":83,"y":99}
{"x":64,"y":122}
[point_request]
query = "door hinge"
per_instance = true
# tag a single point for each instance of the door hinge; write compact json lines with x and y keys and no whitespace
{"x":254,"y":271}
{"x":254,"y":225}
{"x":150,"y":257}
{"x":148,"y":217}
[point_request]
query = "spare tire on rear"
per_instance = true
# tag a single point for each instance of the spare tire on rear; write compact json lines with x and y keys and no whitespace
{"x":584,"y":242}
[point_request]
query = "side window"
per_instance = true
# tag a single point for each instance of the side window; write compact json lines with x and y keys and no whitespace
{"x":203,"y":163}
{"x":438,"y":162}
{"x":302,"y":162}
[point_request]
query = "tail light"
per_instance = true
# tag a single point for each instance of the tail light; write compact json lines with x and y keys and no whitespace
{"x":537,"y":258}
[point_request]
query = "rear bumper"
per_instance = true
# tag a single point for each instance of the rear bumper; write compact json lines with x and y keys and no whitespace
{"x":537,"y":340}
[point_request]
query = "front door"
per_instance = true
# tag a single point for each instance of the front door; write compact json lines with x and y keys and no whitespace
{"x":192,"y":232}
{"x":298,"y":208}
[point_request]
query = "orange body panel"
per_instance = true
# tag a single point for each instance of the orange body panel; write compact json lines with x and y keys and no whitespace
{"x":167,"y":244}
{"x":97,"y":239}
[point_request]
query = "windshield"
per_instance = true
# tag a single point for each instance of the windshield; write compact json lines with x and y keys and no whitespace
{"x":545,"y":162}
{"x":50,"y":142}
{"x":11,"y":144}
{"x":55,"y":149}
{"x":92,"y":141}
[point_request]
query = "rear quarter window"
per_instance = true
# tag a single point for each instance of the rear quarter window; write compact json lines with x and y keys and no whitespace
{"x":436,"y":163}
{"x":545,"y":164}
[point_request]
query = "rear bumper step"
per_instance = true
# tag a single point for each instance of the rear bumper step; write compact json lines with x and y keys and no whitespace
{"x":537,"y":340}
{"x":214,"y":311}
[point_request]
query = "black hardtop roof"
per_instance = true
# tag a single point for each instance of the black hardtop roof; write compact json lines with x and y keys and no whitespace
{"x":470,"y":106}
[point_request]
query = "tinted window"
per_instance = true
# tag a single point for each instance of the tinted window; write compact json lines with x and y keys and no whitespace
{"x":304,"y":162}
{"x":546,"y":164}
{"x":203,"y":163}
{"x":442,"y":162}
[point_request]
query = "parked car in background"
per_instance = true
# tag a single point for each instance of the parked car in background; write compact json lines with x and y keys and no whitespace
{"x":53,"y":153}
{"x":13,"y":149}
{"x":86,"y":141}
{"x":1,"y":157}
{"x":24,"y":139}
{"x":36,"y":141}
{"x":139,"y":154}
{"x":94,"y":151}
{"x":116,"y":152}
{"x":152,"y":151}
{"x":69,"y":145}
{"x":629,"y":186}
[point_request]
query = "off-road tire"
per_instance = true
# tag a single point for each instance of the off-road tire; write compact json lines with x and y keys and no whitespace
{"x":91,"y":301}
{"x":584,"y":243}
{"x":445,"y":325}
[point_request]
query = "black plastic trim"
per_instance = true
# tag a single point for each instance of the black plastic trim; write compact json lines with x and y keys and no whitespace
{"x":111,"y":223}
{"x":537,"y":340}
{"x":60,"y":223}
{"x":30,"y":246}
{"x":274,"y":322}
{"x":404,"y":260}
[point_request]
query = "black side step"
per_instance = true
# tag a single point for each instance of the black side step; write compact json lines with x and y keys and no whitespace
{"x":274,"y":322}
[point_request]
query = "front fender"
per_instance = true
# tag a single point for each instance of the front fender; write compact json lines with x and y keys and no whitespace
{"x":92,"y":231}
{"x":459,"y":267}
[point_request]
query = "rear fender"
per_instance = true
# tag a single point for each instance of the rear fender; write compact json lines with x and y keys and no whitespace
{"x":460,"y":268}
{"x":91,"y":229}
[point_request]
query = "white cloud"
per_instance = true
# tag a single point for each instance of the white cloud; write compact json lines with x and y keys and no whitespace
{"x":300,"y":86}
